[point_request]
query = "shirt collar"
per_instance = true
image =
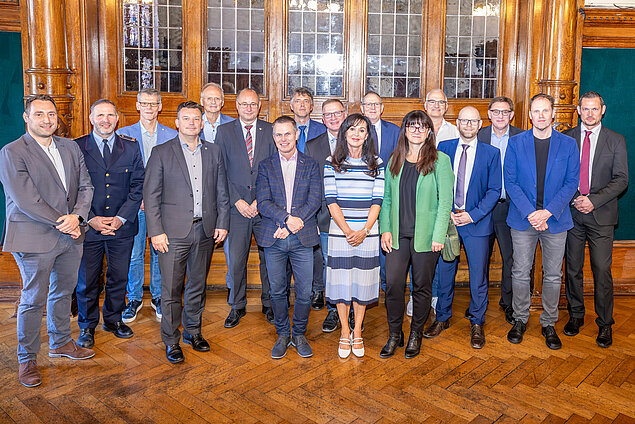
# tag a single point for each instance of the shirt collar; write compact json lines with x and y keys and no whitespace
{"x":506,"y":133}
{"x":293,"y":158}
{"x":184,"y":145}
{"x":144,"y":131}
{"x":216,"y":122}
{"x":306,"y":124}
{"x":253,"y":124}
{"x":99,"y":138}
{"x":471,"y":143}
{"x":595,"y":131}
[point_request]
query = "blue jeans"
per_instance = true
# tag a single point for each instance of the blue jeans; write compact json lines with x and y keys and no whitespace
{"x":136,"y":272}
{"x":301,"y":258}
{"x":324,"y":243}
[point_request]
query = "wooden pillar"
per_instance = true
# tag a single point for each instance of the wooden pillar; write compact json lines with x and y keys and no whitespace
{"x":44,"y":55}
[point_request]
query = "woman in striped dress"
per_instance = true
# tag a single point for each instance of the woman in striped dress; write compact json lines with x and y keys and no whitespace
{"x":354,"y":188}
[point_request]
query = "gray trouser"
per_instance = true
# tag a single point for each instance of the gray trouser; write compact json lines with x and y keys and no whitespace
{"x":47,"y":277}
{"x":552,"y":247}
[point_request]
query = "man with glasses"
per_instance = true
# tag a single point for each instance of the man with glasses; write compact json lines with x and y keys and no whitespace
{"x":244,"y":143}
{"x":212,"y":100}
{"x":149,"y":133}
{"x":436,"y":106}
{"x":476,"y":191}
{"x":501,"y":112}
{"x":301,"y":105}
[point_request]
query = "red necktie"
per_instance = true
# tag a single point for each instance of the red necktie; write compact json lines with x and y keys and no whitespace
{"x":250,"y":145}
{"x":584,"y":164}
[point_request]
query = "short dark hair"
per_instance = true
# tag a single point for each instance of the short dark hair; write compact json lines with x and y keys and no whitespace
{"x":150,"y":92}
{"x":41,"y":97}
{"x":502,"y":99}
{"x":591,"y":95}
{"x":189,"y":105}
{"x":284,"y":119}
{"x":541,"y":96}
{"x":302,"y":91}
{"x":100,"y":102}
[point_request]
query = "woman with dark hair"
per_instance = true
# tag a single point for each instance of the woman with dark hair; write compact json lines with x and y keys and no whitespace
{"x":413,"y":222}
{"x":354,"y":188}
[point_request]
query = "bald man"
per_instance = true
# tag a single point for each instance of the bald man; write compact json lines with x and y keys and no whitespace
{"x":477,"y":188}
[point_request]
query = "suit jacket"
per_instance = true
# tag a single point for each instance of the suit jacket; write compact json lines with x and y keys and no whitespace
{"x":609,"y":176}
{"x":319,"y":149}
{"x":485,"y":133}
{"x":241,"y":176}
{"x":389,"y":136}
{"x":167,"y":191}
{"x":562,"y":176}
{"x":35,"y":195}
{"x":484,"y":188}
{"x":163,"y":134}
{"x":118,"y":186}
{"x":272,"y":199}
{"x":223,"y":120}
{"x":316,"y":128}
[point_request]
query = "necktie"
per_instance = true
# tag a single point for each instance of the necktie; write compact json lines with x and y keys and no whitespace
{"x":106,"y":153}
{"x":459,"y":197}
{"x":302,"y":139}
{"x":584,"y":165}
{"x":250,"y":145}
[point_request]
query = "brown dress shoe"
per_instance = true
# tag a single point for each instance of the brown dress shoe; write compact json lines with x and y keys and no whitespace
{"x":72,"y":351}
{"x":436,"y":328}
{"x":28,"y":374}
{"x":477,"y":339}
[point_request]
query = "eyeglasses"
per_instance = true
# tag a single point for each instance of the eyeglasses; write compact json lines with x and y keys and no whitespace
{"x":416,"y":128}
{"x":337,"y":114}
{"x":497,"y":112}
{"x":437,"y":102}
{"x":472,"y":122}
{"x":149,"y":104}
{"x":246,"y":105}
{"x":372,"y":105}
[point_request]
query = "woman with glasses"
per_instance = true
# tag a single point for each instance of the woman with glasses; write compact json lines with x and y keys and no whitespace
{"x":413,"y":222}
{"x":354,"y":188}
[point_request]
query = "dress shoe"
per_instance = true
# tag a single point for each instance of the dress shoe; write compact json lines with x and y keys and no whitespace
{"x":331,"y":322}
{"x":156,"y":305}
{"x":174,"y":353}
{"x":605,"y":336}
{"x":302,"y":346}
{"x":197,"y":341}
{"x":317,"y":300}
{"x":436,"y":328}
{"x":119,"y":329}
{"x":477,"y":337}
{"x":572,"y":327}
{"x":72,"y":351}
{"x":268,"y":311}
{"x":414,"y":344}
{"x":28,"y":374}
{"x":130,"y":313}
{"x":394,"y":340}
{"x":344,"y":347}
{"x":509,"y":314}
{"x":551,"y":338}
{"x":357,"y":351}
{"x":515,"y":335}
{"x":86,"y":338}
{"x":234,"y":317}
{"x":279,"y":349}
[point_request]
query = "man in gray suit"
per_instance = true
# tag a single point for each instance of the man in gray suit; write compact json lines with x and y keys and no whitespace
{"x":48,"y":196}
{"x":187,"y":211}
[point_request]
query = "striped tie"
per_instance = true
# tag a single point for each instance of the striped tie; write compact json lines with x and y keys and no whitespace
{"x":250,"y":145}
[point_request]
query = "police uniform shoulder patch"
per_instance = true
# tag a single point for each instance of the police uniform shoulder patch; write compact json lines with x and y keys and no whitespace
{"x":127,"y":138}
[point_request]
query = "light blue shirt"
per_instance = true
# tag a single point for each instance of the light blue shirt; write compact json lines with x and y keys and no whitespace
{"x":501,"y":143}
{"x":209,"y":128}
{"x":100,"y":145}
{"x":149,"y":141}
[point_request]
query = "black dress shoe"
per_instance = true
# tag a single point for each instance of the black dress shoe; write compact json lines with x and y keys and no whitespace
{"x":436,"y":328}
{"x":551,"y":338}
{"x":605,"y":336}
{"x":477,"y":336}
{"x":572,"y":327}
{"x":119,"y":329}
{"x":234,"y":317}
{"x":174,"y":353}
{"x":509,"y":314}
{"x":317,"y":300}
{"x":197,"y":341}
{"x":394,"y":340}
{"x":331,"y":322}
{"x":414,"y":344}
{"x":86,"y":338}
{"x":515,"y":335}
{"x":268,"y":311}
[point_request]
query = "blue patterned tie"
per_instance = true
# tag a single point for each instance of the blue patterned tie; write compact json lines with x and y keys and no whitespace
{"x":302,"y":139}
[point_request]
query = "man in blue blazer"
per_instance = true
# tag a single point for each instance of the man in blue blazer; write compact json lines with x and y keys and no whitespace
{"x":148,"y":133}
{"x":542,"y":170}
{"x":477,"y":187}
{"x":116,"y":170}
{"x":301,"y":105}
{"x":288,"y":191}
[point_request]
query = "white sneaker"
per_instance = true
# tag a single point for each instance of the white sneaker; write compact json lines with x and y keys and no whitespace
{"x":433,"y":304}
{"x":409,"y":307}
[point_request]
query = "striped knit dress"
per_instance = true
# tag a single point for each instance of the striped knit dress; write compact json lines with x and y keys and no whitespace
{"x":352,"y":273}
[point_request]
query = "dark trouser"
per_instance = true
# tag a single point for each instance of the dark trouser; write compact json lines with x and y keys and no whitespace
{"x":503,"y":234}
{"x":600,"y":238}
{"x":118,"y":253}
{"x":301,"y":258}
{"x":239,"y":239}
{"x":318,"y":269}
{"x":191,"y":255}
{"x":423,"y":266}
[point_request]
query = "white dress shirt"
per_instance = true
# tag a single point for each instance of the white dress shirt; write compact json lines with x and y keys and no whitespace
{"x":593,"y":137}
{"x":332,"y":142}
{"x":252,"y":131}
{"x":377,"y":126}
{"x":469,"y":165}
{"x":55,"y":157}
{"x":447,"y":132}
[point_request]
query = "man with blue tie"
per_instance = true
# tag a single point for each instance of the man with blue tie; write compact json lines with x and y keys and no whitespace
{"x":116,"y":170}
{"x":301,"y":105}
{"x":149,"y":133}
{"x":477,"y":187}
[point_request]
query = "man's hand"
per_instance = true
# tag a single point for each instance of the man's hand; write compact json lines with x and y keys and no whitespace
{"x":116,"y":223}
{"x":220,"y":235}
{"x":254,"y":206}
{"x":386,"y":242}
{"x":68,"y":223}
{"x":103,"y":224}
{"x":281,"y":233}
{"x":245,"y":209}
{"x":75,"y":234}
{"x":583,"y":204}
{"x":141,"y":207}
{"x":436,"y":247}
{"x":538,"y":219}
{"x":461,"y":218}
{"x":355,"y":238}
{"x":160,"y":243}
{"x":294,"y":224}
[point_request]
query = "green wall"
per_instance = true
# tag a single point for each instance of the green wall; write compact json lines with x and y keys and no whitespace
{"x":610,"y":73}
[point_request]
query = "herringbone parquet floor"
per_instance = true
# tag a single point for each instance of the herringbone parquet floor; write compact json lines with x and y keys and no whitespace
{"x":131,"y":381}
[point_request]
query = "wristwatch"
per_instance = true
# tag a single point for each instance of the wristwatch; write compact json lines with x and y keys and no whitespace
{"x":82,"y":222}
{"x":367,"y":231}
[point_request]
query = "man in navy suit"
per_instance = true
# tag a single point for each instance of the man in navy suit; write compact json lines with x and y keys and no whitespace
{"x":148,"y":133}
{"x":501,"y":112}
{"x":116,"y":170}
{"x":288,"y":190}
{"x":542,"y":171}
{"x":477,"y":186}
{"x":301,"y":105}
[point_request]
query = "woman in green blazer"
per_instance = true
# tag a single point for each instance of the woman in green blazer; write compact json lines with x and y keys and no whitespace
{"x":413,"y":221}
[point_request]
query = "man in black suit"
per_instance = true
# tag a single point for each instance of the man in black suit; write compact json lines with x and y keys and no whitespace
{"x":187,"y":211}
{"x":244,"y":143}
{"x":603,"y":177}
{"x":501,"y":112}
{"x":116,"y":170}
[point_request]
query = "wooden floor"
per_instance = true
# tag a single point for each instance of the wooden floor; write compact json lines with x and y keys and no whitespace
{"x":131,"y":381}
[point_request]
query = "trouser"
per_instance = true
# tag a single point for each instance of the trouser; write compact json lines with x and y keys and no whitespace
{"x":136,"y":273}
{"x":324,"y":247}
{"x":503,"y":234}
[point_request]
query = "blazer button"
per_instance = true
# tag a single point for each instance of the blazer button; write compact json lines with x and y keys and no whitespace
{"x":108,"y":175}
{"x":107,"y":185}
{"x":191,"y":195}
{"x":68,"y":199}
{"x":108,"y":196}
{"x":107,"y":207}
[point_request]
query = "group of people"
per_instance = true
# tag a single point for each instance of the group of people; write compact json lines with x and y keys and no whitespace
{"x":341,"y":207}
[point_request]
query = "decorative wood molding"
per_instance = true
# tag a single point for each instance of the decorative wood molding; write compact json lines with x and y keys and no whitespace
{"x":10,"y":15}
{"x":608,"y":28}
